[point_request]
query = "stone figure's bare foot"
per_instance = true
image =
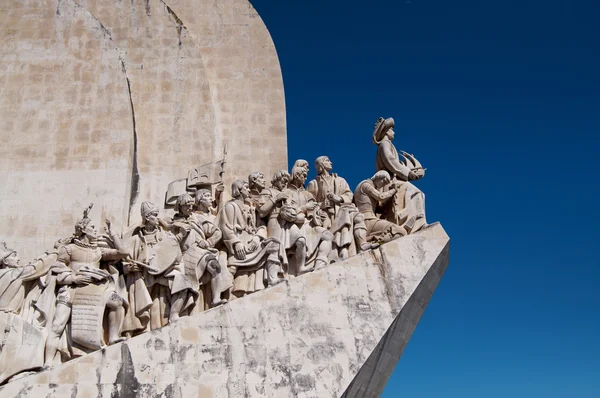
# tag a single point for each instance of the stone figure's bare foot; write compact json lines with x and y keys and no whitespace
{"x":368,"y":246}
{"x":276,"y":281}
{"x":319,"y":264}
{"x":419,"y":225}
{"x":305,"y":269}
{"x":217,"y":303}
{"x":117,"y":340}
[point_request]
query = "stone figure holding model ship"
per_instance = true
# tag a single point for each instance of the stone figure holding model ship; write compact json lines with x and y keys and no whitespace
{"x":408,"y":207}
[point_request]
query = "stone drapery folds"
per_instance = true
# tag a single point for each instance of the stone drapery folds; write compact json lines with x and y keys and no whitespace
{"x":92,"y":290}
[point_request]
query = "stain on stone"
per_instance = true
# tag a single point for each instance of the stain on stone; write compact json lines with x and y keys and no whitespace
{"x":383,"y":266}
{"x":321,"y":352}
{"x":304,"y":383}
{"x":287,"y":375}
{"x":24,"y":393}
{"x":180,"y":353}
{"x":171,"y":392}
{"x":156,"y":344}
{"x":74,"y":391}
{"x":126,"y":379}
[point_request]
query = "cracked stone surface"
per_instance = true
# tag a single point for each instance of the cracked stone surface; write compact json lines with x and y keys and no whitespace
{"x":108,"y":101}
{"x":338,"y":331}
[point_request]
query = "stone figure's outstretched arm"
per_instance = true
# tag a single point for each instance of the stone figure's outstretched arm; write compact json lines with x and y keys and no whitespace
{"x":391,"y":162}
{"x":376,"y":194}
{"x":121,"y":250}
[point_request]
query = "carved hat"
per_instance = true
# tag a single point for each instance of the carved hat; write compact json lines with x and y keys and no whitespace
{"x":5,"y":251}
{"x":147,"y":208}
{"x":381,"y":127}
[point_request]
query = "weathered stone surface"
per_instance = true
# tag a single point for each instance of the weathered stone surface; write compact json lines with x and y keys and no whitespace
{"x":307,"y":337}
{"x":108,"y":101}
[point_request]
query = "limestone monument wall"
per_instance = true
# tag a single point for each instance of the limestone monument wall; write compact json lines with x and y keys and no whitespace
{"x":262,"y":284}
{"x":109,"y":101}
{"x":338,"y":331}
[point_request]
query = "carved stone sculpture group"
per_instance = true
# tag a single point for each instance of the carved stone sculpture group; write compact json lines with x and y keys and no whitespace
{"x":93,"y":290}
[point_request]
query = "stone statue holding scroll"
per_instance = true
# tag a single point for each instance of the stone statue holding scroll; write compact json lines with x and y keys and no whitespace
{"x":408,"y":207}
{"x":252,"y":258}
{"x":334,"y":196}
{"x":87,"y":289}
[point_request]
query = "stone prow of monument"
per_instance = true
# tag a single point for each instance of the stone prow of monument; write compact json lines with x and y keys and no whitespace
{"x":338,"y":331}
{"x":116,"y":103}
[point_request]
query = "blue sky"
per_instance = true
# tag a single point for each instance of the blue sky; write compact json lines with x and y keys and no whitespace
{"x":500,"y":100}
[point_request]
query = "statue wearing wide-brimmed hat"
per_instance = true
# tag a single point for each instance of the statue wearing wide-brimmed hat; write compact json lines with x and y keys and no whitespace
{"x":408,"y":207}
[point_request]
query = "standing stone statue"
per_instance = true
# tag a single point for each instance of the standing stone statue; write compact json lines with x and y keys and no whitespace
{"x":158,"y":289}
{"x":210,"y":237}
{"x":22,"y":343}
{"x":284,"y":222}
{"x":309,"y":218}
{"x":87,"y":290}
{"x":408,"y":207}
{"x":253,"y":258}
{"x":369,"y":194}
{"x":335,"y":198}
{"x":256,"y":184}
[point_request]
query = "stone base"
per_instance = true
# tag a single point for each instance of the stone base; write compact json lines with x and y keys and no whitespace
{"x":323,"y":334}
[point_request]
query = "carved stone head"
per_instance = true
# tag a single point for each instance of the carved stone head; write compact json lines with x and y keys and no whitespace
{"x":381,"y":179}
{"x":280,"y":180}
{"x":299,"y":175}
{"x":302,"y":164}
{"x":383,"y":128}
{"x":184,"y":204}
{"x":8,"y":257}
{"x":149,"y":213}
{"x":85,"y":227}
{"x":256,"y":180}
{"x":240,"y":190}
{"x":204,"y":199}
{"x":323,"y":165}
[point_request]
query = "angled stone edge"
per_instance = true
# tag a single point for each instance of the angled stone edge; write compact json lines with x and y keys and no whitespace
{"x":323,"y":334}
{"x":372,"y":377}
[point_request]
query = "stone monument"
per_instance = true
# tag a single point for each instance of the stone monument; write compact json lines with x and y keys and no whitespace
{"x":163,"y":121}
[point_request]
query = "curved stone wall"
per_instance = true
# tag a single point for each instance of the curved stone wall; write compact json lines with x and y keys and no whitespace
{"x":108,"y":101}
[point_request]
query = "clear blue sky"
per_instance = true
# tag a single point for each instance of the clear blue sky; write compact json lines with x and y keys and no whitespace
{"x":500,"y":100}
